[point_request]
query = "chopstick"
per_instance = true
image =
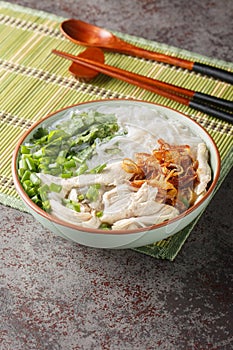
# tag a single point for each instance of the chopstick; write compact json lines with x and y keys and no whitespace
{"x":196,"y":100}
{"x":211,"y":71}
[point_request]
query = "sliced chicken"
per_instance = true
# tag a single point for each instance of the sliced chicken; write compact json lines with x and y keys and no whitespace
{"x":124,"y":206}
{"x":165,"y":212}
{"x":122,"y":203}
{"x":203,"y":171}
{"x":96,"y":205}
{"x":85,"y":219}
{"x":116,"y":203}
{"x":113,"y":174}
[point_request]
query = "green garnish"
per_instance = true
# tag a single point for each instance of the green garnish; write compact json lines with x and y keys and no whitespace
{"x":46,"y":206}
{"x":82,"y":169}
{"x":40,"y":132}
{"x":105,"y":226}
{"x":98,"y":169}
{"x":55,"y":188}
{"x":67,"y":175}
{"x":81,"y":197}
{"x":71,"y":204}
{"x":24,"y":149}
{"x":93,"y":192}
{"x":62,"y":150}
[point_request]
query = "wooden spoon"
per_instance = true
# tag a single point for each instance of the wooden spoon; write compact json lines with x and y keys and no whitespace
{"x":86,"y":34}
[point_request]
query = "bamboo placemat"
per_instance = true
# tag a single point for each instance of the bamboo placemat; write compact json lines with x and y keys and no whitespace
{"x":35,"y":83}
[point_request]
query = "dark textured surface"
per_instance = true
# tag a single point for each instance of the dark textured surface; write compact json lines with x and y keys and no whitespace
{"x":202,"y":26}
{"x":59,"y":295}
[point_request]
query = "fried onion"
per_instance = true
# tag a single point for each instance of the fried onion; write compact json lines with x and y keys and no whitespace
{"x":171,"y":169}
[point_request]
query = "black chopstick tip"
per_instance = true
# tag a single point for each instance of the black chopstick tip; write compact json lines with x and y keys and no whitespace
{"x":217,"y":113}
{"x":217,"y":73}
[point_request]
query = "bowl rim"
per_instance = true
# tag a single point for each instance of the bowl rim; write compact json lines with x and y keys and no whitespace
{"x":60,"y":222}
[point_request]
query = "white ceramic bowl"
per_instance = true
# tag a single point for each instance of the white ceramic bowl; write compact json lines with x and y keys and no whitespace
{"x":120,"y":239}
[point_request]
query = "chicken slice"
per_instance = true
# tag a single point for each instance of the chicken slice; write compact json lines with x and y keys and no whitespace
{"x":123,"y":203}
{"x":85,"y":219}
{"x":204,"y":170}
{"x":116,"y":203}
{"x":113,"y":174}
{"x":164,"y":212}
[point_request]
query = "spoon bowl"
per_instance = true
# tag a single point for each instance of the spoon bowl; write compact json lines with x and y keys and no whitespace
{"x":86,"y":34}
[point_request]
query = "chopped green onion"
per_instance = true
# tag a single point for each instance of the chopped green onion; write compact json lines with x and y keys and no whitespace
{"x":62,"y":151}
{"x":36,"y":200}
{"x":23,"y":164}
{"x":57,"y":134}
{"x":44,"y":188}
{"x":46,"y":205}
{"x":40,"y":153}
{"x":31,"y":164}
{"x":40,"y":132}
{"x":93,"y":193}
{"x":105,"y":226}
{"x":26,"y":175}
{"x":43,"y":191}
{"x":81,"y":197}
{"x":78,"y":160}
{"x":24,"y":149}
{"x":69,"y":164}
{"x":76,"y":206}
{"x":67,"y":175}
{"x":60,"y":160}
{"x":65,"y":201}
{"x":71,"y":205}
{"x":54,"y":171}
{"x":44,"y":196}
{"x":98,"y":169}
{"x":81,"y":170}
{"x":44,"y":160}
{"x":35,"y":179}
{"x":21,"y":173}
{"x":55,"y":188}
{"x":31,"y":192}
{"x":27,"y":184}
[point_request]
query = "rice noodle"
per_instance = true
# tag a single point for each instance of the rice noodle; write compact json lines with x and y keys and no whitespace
{"x":141,"y":129}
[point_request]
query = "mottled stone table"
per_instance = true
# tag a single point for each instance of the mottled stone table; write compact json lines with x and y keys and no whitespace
{"x":58,"y":295}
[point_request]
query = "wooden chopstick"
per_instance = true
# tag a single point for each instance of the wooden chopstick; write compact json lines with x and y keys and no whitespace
{"x":192,"y":99}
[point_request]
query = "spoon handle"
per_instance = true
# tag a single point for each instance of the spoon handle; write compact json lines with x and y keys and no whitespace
{"x":197,"y":67}
{"x":130,"y":49}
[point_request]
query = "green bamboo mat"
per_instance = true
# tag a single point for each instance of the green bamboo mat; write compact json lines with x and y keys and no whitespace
{"x":35,"y":83}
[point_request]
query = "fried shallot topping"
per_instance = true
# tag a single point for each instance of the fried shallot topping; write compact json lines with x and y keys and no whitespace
{"x":171,"y":169}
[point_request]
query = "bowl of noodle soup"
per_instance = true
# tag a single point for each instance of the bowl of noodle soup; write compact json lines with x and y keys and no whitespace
{"x":116,"y":173}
